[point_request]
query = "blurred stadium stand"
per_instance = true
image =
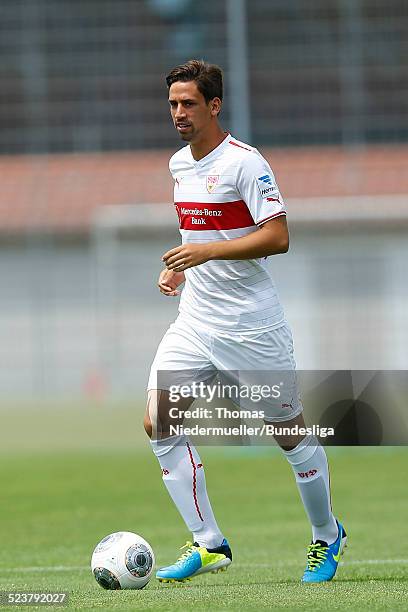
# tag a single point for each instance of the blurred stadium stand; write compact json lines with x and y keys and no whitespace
{"x":85,"y":136}
{"x":81,"y":75}
{"x":62,"y":193}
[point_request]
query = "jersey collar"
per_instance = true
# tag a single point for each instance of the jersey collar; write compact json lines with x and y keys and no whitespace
{"x":212,"y":153}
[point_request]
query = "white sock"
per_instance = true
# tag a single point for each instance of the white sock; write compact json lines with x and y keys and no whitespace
{"x":309,"y":463}
{"x":183,"y":475}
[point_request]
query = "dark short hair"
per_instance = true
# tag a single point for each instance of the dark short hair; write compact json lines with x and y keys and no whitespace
{"x":208,"y":77}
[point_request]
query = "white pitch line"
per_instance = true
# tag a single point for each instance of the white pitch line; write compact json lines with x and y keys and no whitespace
{"x":73,"y":568}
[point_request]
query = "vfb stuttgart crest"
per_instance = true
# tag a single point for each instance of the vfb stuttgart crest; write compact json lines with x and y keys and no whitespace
{"x":212,"y":182}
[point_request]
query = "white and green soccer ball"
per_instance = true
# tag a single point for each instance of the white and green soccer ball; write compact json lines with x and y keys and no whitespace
{"x":122,"y":560}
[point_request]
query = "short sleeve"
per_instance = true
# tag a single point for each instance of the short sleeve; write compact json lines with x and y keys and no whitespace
{"x":257,"y":186}
{"x":171,"y":165}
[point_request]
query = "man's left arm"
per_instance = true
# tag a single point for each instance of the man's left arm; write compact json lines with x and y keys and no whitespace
{"x":270,"y":239}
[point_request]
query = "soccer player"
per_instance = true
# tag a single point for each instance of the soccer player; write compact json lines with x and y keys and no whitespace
{"x":232,"y":217}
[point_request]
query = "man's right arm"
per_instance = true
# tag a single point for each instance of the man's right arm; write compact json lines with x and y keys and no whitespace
{"x":169,"y":280}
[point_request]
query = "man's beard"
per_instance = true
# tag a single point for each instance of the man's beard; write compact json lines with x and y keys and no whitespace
{"x":188,"y":135}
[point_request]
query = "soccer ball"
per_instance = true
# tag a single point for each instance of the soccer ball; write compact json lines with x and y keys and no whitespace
{"x":122,"y":560}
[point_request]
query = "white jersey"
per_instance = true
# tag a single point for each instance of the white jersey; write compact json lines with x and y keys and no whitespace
{"x":227,"y":194}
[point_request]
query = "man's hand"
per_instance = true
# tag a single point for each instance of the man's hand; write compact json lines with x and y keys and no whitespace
{"x":169,"y":281}
{"x":186,"y":256}
{"x":270,"y":239}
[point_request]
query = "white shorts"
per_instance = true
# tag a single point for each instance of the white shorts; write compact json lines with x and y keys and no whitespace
{"x":189,"y":354}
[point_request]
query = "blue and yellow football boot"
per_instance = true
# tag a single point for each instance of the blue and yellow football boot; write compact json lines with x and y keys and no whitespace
{"x":196,"y":560}
{"x":323,"y":559}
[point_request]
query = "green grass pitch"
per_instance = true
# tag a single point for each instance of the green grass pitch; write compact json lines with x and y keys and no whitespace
{"x":58,"y":502}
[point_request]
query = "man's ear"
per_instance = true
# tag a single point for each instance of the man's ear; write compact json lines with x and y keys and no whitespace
{"x":215,"y":106}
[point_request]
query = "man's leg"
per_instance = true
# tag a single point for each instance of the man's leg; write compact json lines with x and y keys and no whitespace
{"x":307,"y":458}
{"x":182,"y":468}
{"x":183,"y":358}
{"x":309,"y":463}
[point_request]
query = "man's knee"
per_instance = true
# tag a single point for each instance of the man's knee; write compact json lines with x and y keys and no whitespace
{"x":159,"y":416}
{"x":292,"y":440}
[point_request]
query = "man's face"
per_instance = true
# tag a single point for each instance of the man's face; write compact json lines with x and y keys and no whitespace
{"x":190,"y":112}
